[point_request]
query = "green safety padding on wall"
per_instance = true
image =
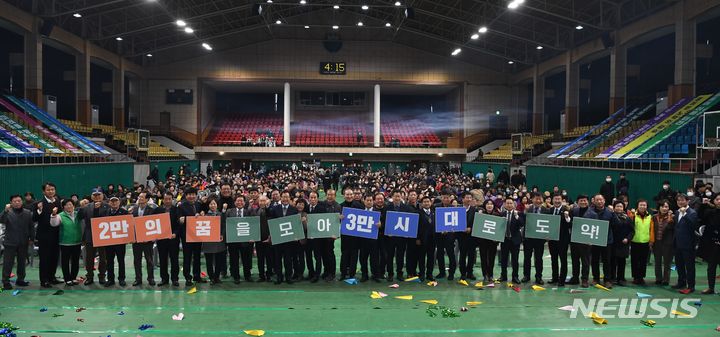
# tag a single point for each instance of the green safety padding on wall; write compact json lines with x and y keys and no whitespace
{"x":175,"y":164}
{"x":216,"y":164}
{"x":576,"y":180}
{"x":70,"y":179}
{"x":476,"y":167}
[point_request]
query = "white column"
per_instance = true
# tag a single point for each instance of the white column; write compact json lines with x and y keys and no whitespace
{"x":376,"y":117}
{"x":286,"y":115}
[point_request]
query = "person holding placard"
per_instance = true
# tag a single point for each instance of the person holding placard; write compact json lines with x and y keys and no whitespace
{"x":284,"y":252}
{"x":602,"y":253}
{"x":379,"y":205}
{"x":214,"y":251}
{"x":445,"y":243}
{"x":395,"y":246}
{"x":70,"y":240}
{"x":96,"y":209}
{"x":487,"y":248}
{"x":191,"y":250}
{"x":559,"y":249}
{"x":265,"y":255}
{"x":349,"y":245}
{"x":143,"y":249}
{"x":240,"y":250}
{"x":328,"y":248}
{"x":580,"y":252}
{"x":369,"y":251}
{"x":114,"y":252}
{"x":169,"y":249}
{"x":510,"y":248}
{"x":303,"y":254}
{"x":533,"y":249}
{"x":319,"y":246}
{"x":425,"y":243}
{"x":466,"y":244}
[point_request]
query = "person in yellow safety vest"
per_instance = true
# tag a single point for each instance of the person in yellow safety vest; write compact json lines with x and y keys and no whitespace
{"x":642,"y":242}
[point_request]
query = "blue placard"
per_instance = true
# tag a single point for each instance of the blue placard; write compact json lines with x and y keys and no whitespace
{"x":401,"y":224}
{"x":360,"y":223}
{"x":450,"y":219}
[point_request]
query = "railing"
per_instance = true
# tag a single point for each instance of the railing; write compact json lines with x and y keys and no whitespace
{"x":62,"y":159}
{"x":655,"y":165}
{"x":349,"y":144}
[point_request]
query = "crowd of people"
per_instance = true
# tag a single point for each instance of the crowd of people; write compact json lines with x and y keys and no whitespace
{"x":674,"y":227}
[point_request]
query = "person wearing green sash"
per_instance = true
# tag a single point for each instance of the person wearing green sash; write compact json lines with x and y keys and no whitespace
{"x":70,"y":240}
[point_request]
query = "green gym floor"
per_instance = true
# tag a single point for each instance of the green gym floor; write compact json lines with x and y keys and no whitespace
{"x":305,"y":309}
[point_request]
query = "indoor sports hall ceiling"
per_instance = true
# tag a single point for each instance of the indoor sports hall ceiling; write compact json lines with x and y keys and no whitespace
{"x":516,"y":33}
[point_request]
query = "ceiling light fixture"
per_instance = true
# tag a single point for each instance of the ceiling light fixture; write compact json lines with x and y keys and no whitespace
{"x":307,"y":27}
{"x":77,"y":15}
{"x":539,"y":47}
{"x":335,"y":27}
{"x":397,"y":3}
{"x":365,"y":7}
{"x":148,"y":55}
{"x":189,"y":30}
{"x":483,"y":30}
{"x":360,"y":24}
{"x":456,"y":51}
{"x":302,"y":2}
{"x":206,"y":46}
{"x":180,"y":23}
{"x":579,"y":27}
{"x":278,"y":22}
{"x":511,"y":62}
{"x":336,"y":7}
{"x":387,"y":24}
{"x":118,"y":38}
{"x":475,"y":36}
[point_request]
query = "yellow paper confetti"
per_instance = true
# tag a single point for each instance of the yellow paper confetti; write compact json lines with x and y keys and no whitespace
{"x":597,"y":319}
{"x":537,"y":287}
{"x":255,"y":332}
{"x":430,"y":301}
{"x":601,"y":287}
{"x":192,"y":290}
{"x":432,"y":283}
{"x":406,"y":297}
{"x":510,"y":285}
{"x":680,"y":313}
{"x":471,"y":303}
{"x":411,"y":279}
{"x":479,"y":285}
{"x":377,"y":295}
{"x":463,"y":282}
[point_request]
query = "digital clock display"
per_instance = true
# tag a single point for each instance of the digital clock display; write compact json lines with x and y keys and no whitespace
{"x":332,"y":68}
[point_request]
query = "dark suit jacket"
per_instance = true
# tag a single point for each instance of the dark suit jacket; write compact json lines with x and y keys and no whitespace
{"x":87,"y":213}
{"x":44,"y":231}
{"x":470,"y":216}
{"x":186,"y":209}
{"x":319,"y":209}
{"x":277,"y":211}
{"x":426,"y":226}
{"x":173,"y":218}
{"x":685,"y":237}
{"x":515,"y":226}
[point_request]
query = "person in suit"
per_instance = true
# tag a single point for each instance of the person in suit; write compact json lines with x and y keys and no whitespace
{"x":533,"y":249}
{"x":143,"y":249}
{"x":425,"y":243}
{"x":96,"y":209}
{"x":580,"y":252}
{"x":466,"y":244}
{"x":265,"y":254}
{"x":303,"y":253}
{"x":395,"y":247}
{"x":487,"y":248}
{"x":319,"y":247}
{"x":169,"y":249}
{"x":48,"y":237}
{"x":510,"y":248}
{"x":191,"y":250}
{"x":18,"y":237}
{"x":369,"y":250}
{"x":559,"y":249}
{"x":686,"y":233}
{"x":240,"y":250}
{"x":641,"y":242}
{"x":602,"y":253}
{"x":445,"y":243}
{"x":284,"y":251}
{"x":215,"y":251}
{"x":378,"y":245}
{"x":349,"y":245}
{"x":327,"y":246}
{"x":115,"y":252}
{"x":622,"y":229}
{"x":709,"y":214}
